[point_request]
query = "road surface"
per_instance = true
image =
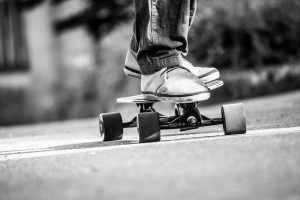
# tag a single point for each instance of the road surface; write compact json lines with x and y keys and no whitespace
{"x":66,"y":160}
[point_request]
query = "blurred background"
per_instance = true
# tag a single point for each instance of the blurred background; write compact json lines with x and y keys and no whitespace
{"x":63,"y":59}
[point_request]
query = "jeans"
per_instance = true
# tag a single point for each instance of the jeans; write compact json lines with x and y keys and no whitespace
{"x":160,"y":32}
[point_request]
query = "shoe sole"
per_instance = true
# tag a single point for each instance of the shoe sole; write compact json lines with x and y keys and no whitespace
{"x":210,"y":76}
{"x":181,"y":99}
{"x":214,"y":84}
{"x":206,"y":78}
{"x":132,"y":72}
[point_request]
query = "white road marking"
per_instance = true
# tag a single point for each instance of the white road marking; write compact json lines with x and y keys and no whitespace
{"x":56,"y":147}
{"x":32,"y":143}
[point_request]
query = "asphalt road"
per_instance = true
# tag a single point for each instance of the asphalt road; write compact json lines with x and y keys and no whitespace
{"x":66,"y":160}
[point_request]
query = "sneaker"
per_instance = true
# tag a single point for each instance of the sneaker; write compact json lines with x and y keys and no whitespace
{"x":174,"y":84}
{"x":206,"y":74}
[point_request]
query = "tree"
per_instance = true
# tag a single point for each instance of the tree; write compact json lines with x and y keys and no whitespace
{"x":99,"y":16}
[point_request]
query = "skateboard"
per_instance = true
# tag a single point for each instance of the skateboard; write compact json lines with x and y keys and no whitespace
{"x":187,"y":116}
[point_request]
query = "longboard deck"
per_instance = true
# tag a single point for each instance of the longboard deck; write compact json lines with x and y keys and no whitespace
{"x":146,"y":98}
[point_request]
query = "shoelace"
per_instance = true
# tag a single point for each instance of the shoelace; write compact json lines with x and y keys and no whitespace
{"x":171,"y":68}
{"x":186,"y":61}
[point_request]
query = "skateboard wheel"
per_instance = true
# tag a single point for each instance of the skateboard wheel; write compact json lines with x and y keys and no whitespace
{"x":234,"y":119}
{"x":111,"y":126}
{"x":148,"y":127}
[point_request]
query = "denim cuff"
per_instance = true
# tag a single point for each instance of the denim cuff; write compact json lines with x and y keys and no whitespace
{"x":155,"y":64}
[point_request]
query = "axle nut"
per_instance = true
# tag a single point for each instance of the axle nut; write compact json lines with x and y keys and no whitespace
{"x":192,"y":120}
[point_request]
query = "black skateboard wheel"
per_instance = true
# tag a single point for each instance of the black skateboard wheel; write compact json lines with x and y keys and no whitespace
{"x":234,"y":119}
{"x":111,"y":126}
{"x":148,"y":127}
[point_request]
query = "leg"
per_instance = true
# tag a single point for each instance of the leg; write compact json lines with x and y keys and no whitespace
{"x":171,"y":44}
{"x":134,"y":46}
{"x":161,"y":29}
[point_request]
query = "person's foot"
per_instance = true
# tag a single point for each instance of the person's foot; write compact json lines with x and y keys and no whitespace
{"x":206,"y":74}
{"x":174,"y":84}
